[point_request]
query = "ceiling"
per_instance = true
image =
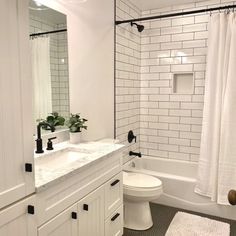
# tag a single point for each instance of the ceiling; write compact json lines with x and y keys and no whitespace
{"x":153,"y":4}
{"x":46,"y":13}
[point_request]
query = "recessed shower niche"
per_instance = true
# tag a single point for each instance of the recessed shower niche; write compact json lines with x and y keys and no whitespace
{"x":183,"y":83}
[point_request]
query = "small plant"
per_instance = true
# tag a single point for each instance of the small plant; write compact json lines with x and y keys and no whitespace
{"x":55,"y":120}
{"x":76,"y":123}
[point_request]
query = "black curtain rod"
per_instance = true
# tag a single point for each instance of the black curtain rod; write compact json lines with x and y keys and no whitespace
{"x":48,"y":32}
{"x":175,"y":14}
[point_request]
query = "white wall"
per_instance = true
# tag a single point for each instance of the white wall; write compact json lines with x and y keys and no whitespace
{"x":91,"y":63}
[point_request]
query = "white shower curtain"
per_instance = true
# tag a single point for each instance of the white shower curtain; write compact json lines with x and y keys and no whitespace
{"x":40,"y":56}
{"x":217,"y":164}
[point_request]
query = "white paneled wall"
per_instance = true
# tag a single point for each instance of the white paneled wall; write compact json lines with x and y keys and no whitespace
{"x":171,"y":123}
{"x":127,"y":75}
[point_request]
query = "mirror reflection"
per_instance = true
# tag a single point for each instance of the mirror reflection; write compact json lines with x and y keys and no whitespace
{"x":49,"y":57}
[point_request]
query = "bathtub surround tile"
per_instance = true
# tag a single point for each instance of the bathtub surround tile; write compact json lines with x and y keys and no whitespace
{"x":128,"y":69}
{"x":145,"y":66}
{"x":181,"y":46}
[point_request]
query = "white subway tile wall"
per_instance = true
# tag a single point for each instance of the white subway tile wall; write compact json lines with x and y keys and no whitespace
{"x":170,"y":124}
{"x":128,"y":61}
{"x":58,"y":63}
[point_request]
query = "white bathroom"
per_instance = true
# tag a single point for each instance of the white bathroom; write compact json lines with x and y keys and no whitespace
{"x":116,"y":118}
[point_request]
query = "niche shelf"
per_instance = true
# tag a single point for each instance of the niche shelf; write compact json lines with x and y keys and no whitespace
{"x":183,"y":83}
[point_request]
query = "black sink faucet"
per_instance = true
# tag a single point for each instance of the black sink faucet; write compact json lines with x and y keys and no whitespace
{"x":39,"y":141}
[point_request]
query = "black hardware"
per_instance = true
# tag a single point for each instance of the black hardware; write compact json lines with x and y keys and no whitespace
{"x":115,"y":217}
{"x":85,"y":207}
{"x":115,"y":182}
{"x":175,"y":14}
{"x":74,"y":215}
{"x":139,"y":27}
{"x":138,"y":154}
{"x":48,"y":32}
{"x":50,"y":143}
{"x":28,"y":167}
{"x":30,"y":209}
{"x":39,"y":141}
{"x":131,"y":137}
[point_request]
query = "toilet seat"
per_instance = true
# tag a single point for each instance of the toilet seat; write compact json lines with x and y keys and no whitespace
{"x":132,"y":180}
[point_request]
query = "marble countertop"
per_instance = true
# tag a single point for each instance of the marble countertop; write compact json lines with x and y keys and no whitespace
{"x":66,"y":160}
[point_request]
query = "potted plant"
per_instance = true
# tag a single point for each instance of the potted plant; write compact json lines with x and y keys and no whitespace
{"x":76,"y":123}
{"x":54,"y":119}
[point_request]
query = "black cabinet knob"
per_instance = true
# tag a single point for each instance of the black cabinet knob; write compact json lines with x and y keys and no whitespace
{"x":30,"y":209}
{"x":74,"y":215}
{"x":85,"y":207}
{"x":28,"y":167}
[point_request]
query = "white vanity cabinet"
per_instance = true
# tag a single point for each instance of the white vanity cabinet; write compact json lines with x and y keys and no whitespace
{"x":87,"y":204}
{"x":84,"y":218}
{"x":15,"y":220}
{"x":16,"y":144}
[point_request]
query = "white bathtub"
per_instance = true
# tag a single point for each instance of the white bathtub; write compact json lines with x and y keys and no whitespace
{"x":178,"y":179}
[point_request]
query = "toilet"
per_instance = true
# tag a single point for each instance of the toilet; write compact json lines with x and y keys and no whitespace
{"x":139,"y":189}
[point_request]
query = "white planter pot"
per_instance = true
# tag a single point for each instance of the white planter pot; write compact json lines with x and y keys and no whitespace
{"x":75,"y":138}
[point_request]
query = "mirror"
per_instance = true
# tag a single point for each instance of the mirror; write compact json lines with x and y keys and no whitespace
{"x":49,"y":57}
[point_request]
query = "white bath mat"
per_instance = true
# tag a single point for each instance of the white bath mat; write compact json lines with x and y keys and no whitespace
{"x":184,"y":224}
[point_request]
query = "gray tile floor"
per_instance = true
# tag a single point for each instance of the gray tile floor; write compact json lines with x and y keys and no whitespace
{"x":163,"y":215}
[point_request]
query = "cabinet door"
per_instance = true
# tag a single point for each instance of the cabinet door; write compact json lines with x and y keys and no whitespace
{"x":16,"y":138}
{"x":64,"y":224}
{"x":15,"y":220}
{"x":91,"y":214}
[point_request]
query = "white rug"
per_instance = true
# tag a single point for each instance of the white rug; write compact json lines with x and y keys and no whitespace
{"x":184,"y":224}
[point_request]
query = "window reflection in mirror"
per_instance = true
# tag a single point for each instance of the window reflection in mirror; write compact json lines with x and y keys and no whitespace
{"x":49,"y":59}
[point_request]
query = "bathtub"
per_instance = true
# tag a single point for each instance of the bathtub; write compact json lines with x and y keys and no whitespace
{"x":179,"y":179}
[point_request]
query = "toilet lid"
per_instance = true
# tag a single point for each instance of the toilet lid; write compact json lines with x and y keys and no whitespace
{"x":137,"y":180}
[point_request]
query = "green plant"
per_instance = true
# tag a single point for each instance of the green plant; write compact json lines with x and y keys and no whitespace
{"x":76,"y":123}
{"x":55,"y":119}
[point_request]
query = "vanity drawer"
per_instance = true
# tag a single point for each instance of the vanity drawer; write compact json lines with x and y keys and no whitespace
{"x":113,"y":194}
{"x":114,"y":223}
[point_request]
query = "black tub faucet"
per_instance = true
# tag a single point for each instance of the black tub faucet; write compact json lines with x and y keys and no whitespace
{"x":39,"y":141}
{"x":138,"y":154}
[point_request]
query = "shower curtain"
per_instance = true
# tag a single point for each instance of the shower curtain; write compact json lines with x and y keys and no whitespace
{"x":41,"y":73}
{"x":217,"y":164}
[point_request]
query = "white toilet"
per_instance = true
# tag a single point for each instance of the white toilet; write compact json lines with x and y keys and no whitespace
{"x":139,"y":189}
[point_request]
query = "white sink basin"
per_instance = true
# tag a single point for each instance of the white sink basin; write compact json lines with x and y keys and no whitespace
{"x":62,"y":158}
